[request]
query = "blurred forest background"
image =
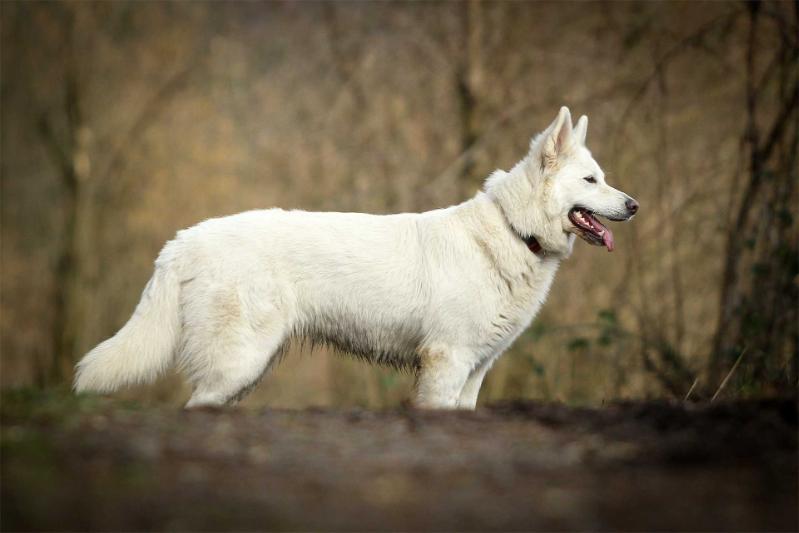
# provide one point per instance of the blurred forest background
(123, 122)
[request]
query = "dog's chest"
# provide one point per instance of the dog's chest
(518, 299)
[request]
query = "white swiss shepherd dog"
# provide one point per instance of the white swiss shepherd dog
(442, 293)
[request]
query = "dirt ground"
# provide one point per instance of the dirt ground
(96, 464)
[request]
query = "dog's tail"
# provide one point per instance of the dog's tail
(144, 347)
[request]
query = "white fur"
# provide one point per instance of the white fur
(443, 293)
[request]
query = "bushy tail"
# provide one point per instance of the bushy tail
(144, 347)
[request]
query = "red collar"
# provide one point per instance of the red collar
(533, 244)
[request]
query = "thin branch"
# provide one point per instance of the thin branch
(729, 374)
(780, 123)
(508, 117)
(688, 41)
(769, 70)
(149, 113)
(782, 25)
(57, 152)
(346, 67)
(688, 394)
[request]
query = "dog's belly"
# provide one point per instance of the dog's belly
(372, 336)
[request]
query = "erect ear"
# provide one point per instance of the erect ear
(557, 138)
(580, 130)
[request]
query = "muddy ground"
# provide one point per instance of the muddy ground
(97, 464)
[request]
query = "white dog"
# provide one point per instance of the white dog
(443, 293)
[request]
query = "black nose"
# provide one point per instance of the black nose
(631, 205)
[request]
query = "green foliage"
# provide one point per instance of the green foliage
(760, 269)
(608, 327)
(52, 404)
(784, 216)
(537, 330)
(538, 368)
(578, 343)
(608, 317)
(388, 380)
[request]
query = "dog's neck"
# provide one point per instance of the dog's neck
(515, 193)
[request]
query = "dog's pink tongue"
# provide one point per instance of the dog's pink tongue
(607, 238)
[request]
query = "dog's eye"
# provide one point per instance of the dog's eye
(590, 179)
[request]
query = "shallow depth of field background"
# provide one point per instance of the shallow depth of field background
(125, 122)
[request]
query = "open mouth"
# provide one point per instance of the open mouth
(590, 229)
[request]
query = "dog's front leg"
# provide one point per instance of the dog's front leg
(468, 396)
(441, 377)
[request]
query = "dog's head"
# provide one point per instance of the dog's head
(559, 190)
(577, 184)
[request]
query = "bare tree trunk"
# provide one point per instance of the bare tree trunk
(64, 328)
(465, 79)
(758, 308)
(70, 291)
(84, 189)
(69, 154)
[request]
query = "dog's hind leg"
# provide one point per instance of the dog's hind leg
(234, 373)
(228, 347)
